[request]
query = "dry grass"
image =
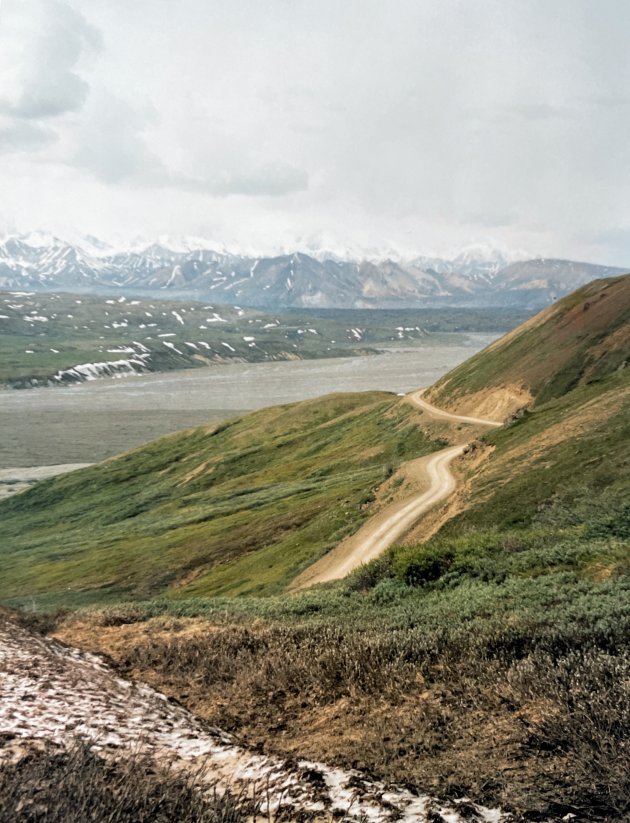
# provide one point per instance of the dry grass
(524, 723)
(77, 786)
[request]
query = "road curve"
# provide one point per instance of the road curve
(389, 525)
(384, 529)
(418, 400)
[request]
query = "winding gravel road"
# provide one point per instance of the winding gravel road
(390, 524)
(418, 400)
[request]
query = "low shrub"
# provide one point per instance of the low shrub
(77, 785)
(424, 564)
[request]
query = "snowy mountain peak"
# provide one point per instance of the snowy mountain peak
(477, 275)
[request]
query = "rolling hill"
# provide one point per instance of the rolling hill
(580, 339)
(490, 661)
(238, 507)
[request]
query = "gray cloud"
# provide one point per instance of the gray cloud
(42, 42)
(24, 136)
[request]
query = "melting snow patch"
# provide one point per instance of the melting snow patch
(227, 346)
(57, 694)
(108, 368)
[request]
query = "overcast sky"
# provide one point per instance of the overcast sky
(416, 125)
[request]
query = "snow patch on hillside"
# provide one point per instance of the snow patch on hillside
(50, 692)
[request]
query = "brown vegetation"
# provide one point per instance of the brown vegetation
(530, 726)
(77, 785)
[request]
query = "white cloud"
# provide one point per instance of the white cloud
(109, 142)
(416, 125)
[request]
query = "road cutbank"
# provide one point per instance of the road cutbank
(417, 399)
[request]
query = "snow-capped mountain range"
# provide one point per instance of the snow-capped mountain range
(475, 277)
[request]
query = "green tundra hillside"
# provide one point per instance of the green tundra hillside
(490, 661)
(578, 340)
(238, 507)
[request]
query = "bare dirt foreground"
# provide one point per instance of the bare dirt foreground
(53, 694)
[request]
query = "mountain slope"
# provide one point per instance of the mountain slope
(580, 339)
(235, 508)
(245, 506)
(492, 660)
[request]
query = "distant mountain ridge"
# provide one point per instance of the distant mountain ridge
(291, 280)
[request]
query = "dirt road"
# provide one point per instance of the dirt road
(390, 524)
(417, 399)
(382, 530)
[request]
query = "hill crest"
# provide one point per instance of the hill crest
(580, 339)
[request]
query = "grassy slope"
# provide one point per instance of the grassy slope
(575, 444)
(491, 662)
(238, 508)
(582, 337)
